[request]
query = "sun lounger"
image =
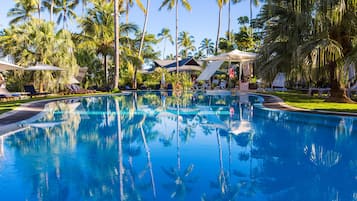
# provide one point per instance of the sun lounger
(31, 91)
(75, 89)
(319, 91)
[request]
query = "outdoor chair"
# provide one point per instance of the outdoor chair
(223, 84)
(31, 91)
(75, 89)
(319, 91)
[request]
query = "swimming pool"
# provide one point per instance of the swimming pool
(153, 146)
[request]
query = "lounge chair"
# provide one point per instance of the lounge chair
(31, 91)
(319, 91)
(75, 89)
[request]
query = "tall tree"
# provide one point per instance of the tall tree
(251, 4)
(305, 36)
(146, 11)
(116, 43)
(229, 17)
(186, 42)
(220, 6)
(129, 4)
(165, 36)
(65, 8)
(98, 31)
(22, 11)
(207, 45)
(50, 4)
(170, 5)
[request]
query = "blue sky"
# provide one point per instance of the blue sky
(201, 22)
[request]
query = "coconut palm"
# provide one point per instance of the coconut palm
(146, 11)
(129, 4)
(307, 37)
(207, 45)
(220, 6)
(22, 11)
(65, 8)
(165, 36)
(229, 16)
(186, 42)
(50, 4)
(116, 42)
(251, 4)
(98, 32)
(170, 5)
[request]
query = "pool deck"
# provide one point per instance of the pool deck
(9, 120)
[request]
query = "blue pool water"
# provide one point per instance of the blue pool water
(153, 146)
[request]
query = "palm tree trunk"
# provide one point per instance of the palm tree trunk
(229, 21)
(51, 10)
(127, 12)
(105, 71)
(338, 93)
(176, 39)
(142, 41)
(250, 12)
(219, 28)
(116, 56)
(163, 53)
(39, 9)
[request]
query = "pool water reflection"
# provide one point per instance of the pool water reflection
(152, 146)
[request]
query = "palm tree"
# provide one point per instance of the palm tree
(116, 43)
(220, 6)
(170, 5)
(165, 35)
(98, 30)
(186, 42)
(22, 11)
(37, 41)
(308, 37)
(146, 11)
(207, 45)
(50, 4)
(229, 17)
(130, 3)
(251, 4)
(66, 10)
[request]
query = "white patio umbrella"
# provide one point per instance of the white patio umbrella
(8, 66)
(43, 67)
(234, 56)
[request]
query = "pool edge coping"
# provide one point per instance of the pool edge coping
(276, 103)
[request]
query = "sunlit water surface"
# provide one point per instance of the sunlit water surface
(153, 146)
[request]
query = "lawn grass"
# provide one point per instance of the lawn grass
(305, 101)
(11, 105)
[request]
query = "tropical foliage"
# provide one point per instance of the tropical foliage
(312, 41)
